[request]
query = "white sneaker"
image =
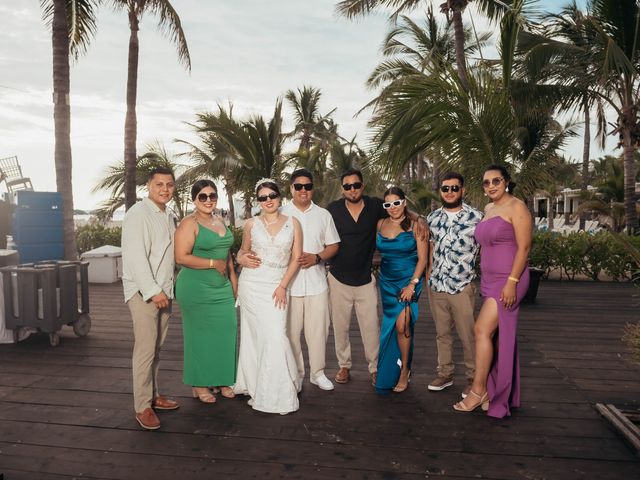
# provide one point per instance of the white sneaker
(322, 382)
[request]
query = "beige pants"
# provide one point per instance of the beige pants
(449, 310)
(365, 300)
(311, 314)
(150, 327)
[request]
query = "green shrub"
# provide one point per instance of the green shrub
(582, 253)
(237, 239)
(94, 235)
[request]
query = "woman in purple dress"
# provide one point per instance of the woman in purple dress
(504, 236)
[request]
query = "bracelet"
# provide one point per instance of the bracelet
(514, 279)
(211, 263)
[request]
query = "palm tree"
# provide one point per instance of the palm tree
(491, 121)
(616, 31)
(72, 25)
(156, 155)
(238, 152)
(169, 24)
(564, 54)
(492, 8)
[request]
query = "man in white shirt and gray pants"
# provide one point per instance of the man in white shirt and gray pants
(148, 272)
(309, 301)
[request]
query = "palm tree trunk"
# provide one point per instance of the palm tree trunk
(62, 123)
(232, 208)
(461, 63)
(586, 145)
(131, 123)
(630, 213)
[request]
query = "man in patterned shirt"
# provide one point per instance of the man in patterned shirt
(451, 291)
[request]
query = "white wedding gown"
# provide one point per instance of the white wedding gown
(267, 369)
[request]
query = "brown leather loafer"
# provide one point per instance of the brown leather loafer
(148, 419)
(164, 403)
(343, 375)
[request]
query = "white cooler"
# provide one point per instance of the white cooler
(105, 264)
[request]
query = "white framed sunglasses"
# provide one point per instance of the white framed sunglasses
(395, 203)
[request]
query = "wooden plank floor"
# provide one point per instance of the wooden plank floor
(66, 412)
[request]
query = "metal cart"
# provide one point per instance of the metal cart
(46, 296)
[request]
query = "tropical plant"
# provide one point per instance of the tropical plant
(113, 180)
(237, 152)
(616, 30)
(492, 8)
(73, 24)
(170, 25)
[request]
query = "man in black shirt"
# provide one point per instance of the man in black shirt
(351, 283)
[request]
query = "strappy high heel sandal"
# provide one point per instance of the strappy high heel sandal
(227, 392)
(481, 401)
(401, 388)
(204, 397)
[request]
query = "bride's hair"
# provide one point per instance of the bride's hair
(268, 184)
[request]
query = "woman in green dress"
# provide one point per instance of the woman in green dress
(206, 289)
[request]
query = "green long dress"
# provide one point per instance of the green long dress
(209, 322)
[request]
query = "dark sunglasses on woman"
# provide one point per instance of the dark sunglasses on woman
(395, 203)
(271, 196)
(203, 197)
(349, 186)
(299, 186)
(453, 188)
(494, 181)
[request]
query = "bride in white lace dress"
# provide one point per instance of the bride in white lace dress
(271, 245)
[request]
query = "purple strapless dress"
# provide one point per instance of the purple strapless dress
(498, 248)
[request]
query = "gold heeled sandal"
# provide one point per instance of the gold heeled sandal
(482, 401)
(204, 397)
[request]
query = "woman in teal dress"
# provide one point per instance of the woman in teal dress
(404, 258)
(206, 288)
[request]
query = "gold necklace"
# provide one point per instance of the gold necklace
(397, 221)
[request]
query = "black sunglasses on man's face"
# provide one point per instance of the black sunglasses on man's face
(349, 186)
(299, 186)
(453, 188)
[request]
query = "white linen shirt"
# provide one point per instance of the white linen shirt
(147, 250)
(318, 231)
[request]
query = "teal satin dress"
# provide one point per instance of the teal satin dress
(399, 259)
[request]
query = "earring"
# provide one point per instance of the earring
(486, 195)
(507, 189)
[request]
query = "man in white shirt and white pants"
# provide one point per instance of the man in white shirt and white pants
(309, 290)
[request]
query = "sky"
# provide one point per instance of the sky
(248, 52)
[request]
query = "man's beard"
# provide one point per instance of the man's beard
(455, 204)
(350, 200)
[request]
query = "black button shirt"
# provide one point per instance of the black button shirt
(352, 264)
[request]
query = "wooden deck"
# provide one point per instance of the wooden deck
(66, 412)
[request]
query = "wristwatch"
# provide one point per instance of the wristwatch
(318, 258)
(415, 281)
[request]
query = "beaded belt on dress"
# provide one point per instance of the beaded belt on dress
(274, 264)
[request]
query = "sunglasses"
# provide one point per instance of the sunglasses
(395, 203)
(494, 181)
(271, 196)
(453, 188)
(349, 186)
(299, 186)
(211, 197)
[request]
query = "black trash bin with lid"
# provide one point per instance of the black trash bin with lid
(47, 296)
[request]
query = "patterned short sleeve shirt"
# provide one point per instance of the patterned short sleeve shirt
(455, 248)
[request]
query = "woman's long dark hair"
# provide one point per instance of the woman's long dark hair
(405, 225)
(199, 185)
(511, 185)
